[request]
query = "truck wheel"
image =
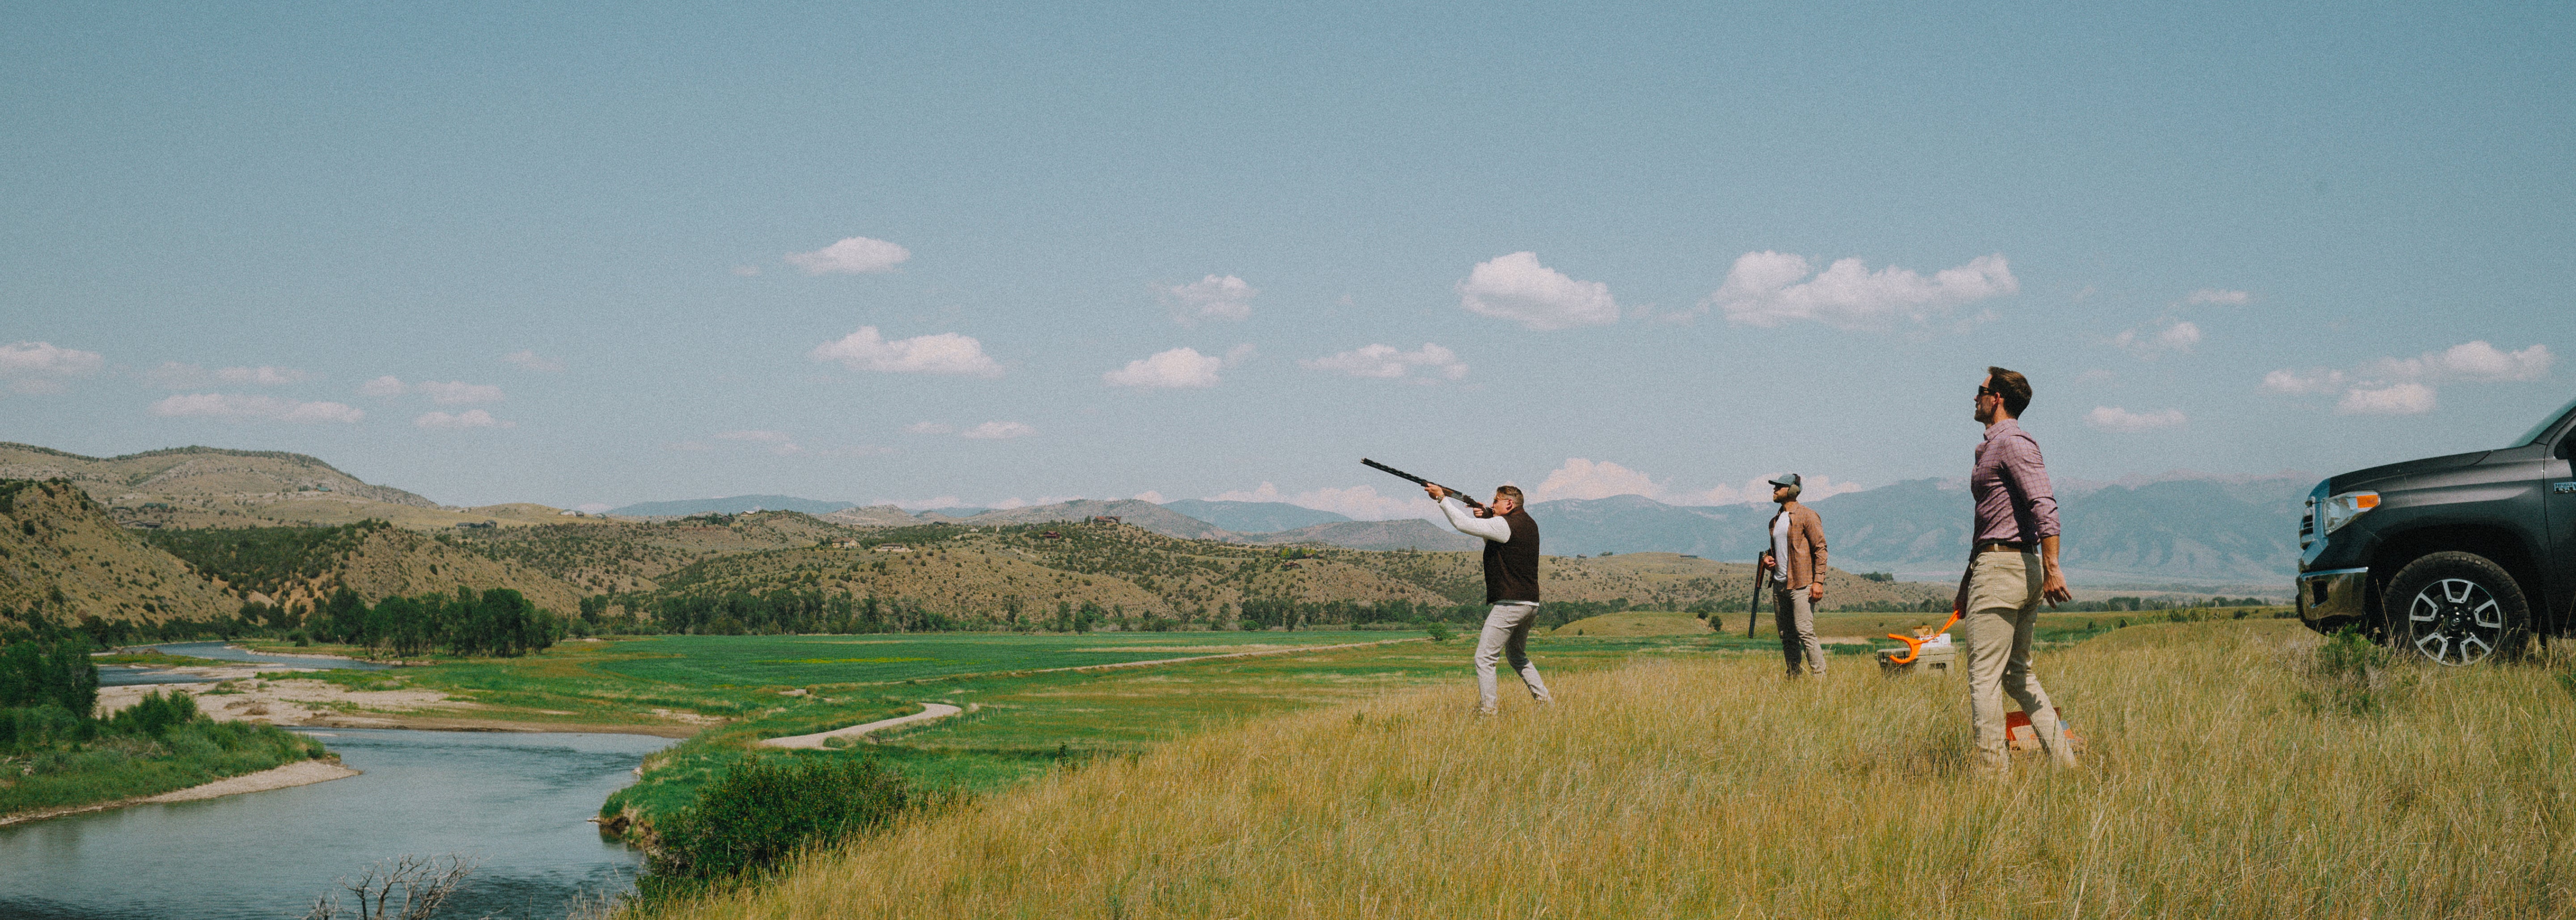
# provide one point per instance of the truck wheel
(2455, 609)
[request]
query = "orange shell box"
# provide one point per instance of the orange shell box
(2019, 736)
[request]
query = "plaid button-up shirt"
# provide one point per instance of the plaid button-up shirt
(2010, 486)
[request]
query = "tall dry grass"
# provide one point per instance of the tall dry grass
(2224, 781)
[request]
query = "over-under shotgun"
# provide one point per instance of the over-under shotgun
(1417, 480)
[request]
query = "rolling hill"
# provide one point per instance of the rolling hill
(289, 566)
(998, 573)
(62, 554)
(1134, 512)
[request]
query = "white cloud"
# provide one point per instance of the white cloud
(778, 441)
(1266, 493)
(1581, 478)
(457, 393)
(944, 353)
(1210, 298)
(1516, 287)
(2220, 296)
(2473, 361)
(1386, 363)
(470, 418)
(47, 358)
(230, 407)
(854, 256)
(387, 385)
(1150, 495)
(2403, 386)
(532, 361)
(929, 428)
(2176, 336)
(997, 431)
(1772, 288)
(2393, 399)
(1177, 368)
(2114, 418)
(39, 367)
(2318, 380)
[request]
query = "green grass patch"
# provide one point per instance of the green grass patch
(117, 766)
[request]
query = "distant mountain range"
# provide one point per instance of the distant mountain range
(2176, 529)
(739, 504)
(1254, 517)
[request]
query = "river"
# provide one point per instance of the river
(516, 802)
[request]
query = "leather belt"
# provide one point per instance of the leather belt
(2002, 546)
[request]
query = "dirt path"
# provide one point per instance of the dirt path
(928, 712)
(299, 773)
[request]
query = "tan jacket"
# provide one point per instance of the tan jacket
(1806, 544)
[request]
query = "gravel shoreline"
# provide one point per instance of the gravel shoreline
(299, 773)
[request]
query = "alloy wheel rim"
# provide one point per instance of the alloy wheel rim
(2455, 621)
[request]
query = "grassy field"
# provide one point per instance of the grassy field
(2235, 770)
(1025, 724)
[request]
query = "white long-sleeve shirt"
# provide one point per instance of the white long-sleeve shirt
(1780, 548)
(1492, 529)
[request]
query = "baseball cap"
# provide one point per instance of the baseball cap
(1785, 479)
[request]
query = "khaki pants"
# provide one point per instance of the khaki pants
(1507, 635)
(1796, 615)
(2003, 606)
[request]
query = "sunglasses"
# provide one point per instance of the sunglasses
(1984, 391)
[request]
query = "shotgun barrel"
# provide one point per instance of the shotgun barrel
(1417, 480)
(1753, 605)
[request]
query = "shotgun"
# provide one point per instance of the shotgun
(1417, 480)
(1753, 606)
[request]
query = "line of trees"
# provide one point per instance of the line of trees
(497, 621)
(779, 611)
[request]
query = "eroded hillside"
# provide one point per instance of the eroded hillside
(611, 556)
(998, 574)
(303, 565)
(61, 553)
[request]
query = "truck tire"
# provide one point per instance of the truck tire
(2456, 608)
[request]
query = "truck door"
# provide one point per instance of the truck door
(2558, 479)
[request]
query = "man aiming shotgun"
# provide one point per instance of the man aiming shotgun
(1511, 581)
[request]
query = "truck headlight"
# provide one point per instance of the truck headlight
(2341, 509)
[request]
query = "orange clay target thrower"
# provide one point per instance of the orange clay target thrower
(1914, 644)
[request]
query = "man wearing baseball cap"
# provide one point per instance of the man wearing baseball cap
(1797, 564)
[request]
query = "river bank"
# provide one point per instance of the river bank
(300, 773)
(514, 802)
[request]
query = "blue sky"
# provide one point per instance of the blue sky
(603, 254)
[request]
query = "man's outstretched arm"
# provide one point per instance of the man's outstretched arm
(1492, 529)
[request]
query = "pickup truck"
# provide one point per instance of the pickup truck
(2459, 559)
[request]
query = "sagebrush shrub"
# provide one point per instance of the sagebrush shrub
(764, 808)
